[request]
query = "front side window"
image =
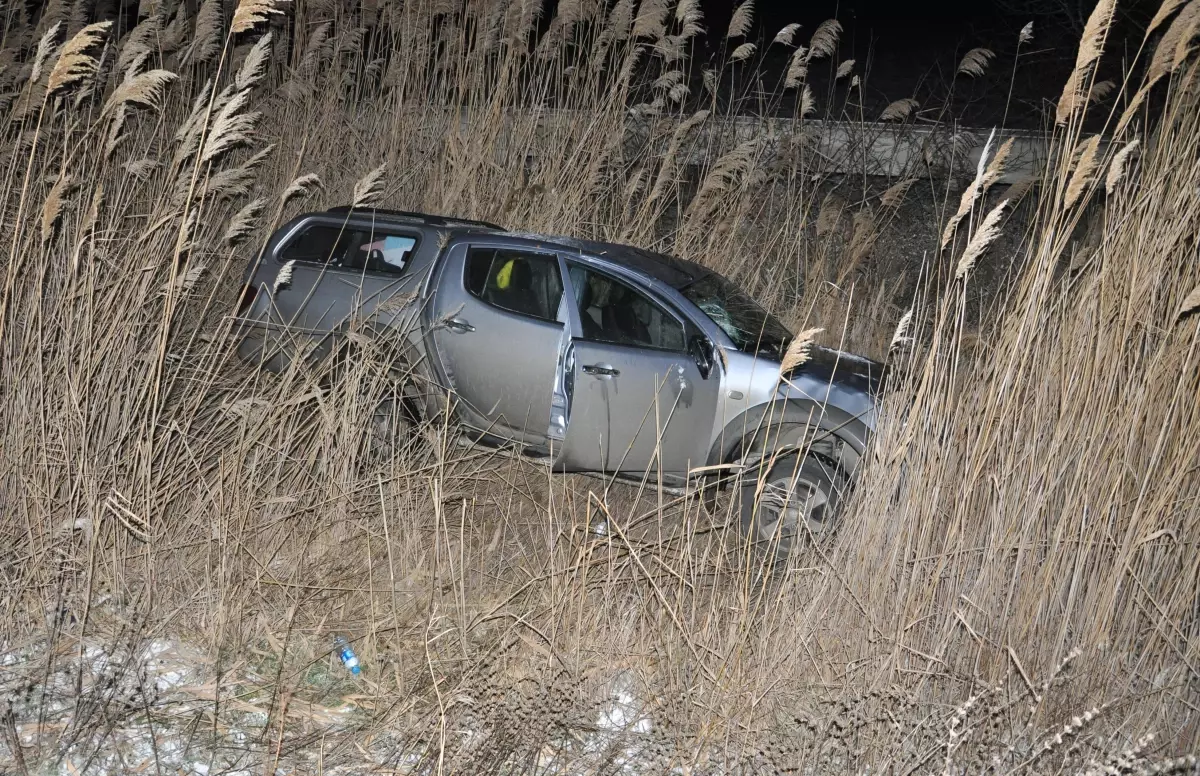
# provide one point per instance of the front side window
(614, 312)
(318, 244)
(517, 281)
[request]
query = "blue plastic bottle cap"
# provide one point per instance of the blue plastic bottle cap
(355, 670)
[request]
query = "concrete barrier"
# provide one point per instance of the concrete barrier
(872, 149)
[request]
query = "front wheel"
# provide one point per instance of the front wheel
(796, 497)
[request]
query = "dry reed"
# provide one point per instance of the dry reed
(1012, 587)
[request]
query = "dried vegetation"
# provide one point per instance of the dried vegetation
(1013, 590)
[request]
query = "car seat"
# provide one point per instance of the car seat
(585, 294)
(515, 289)
(621, 321)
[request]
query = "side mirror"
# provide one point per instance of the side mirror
(702, 351)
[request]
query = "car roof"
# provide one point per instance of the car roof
(410, 217)
(672, 271)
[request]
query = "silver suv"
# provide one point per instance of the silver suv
(593, 357)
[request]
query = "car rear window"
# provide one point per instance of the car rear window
(317, 244)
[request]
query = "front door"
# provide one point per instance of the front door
(498, 336)
(637, 401)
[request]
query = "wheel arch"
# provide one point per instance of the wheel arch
(784, 425)
(403, 353)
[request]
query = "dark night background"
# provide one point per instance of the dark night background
(901, 49)
(912, 49)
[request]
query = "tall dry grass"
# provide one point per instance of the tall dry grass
(1013, 589)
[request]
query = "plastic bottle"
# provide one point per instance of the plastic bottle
(346, 654)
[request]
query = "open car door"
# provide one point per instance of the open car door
(639, 400)
(498, 330)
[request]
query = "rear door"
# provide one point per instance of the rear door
(286, 284)
(637, 400)
(498, 328)
(375, 269)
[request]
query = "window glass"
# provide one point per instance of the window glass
(752, 329)
(383, 252)
(612, 311)
(318, 244)
(520, 282)
(479, 265)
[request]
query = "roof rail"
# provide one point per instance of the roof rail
(427, 218)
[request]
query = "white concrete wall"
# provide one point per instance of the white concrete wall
(873, 149)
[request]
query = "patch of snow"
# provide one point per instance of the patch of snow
(169, 680)
(622, 719)
(623, 713)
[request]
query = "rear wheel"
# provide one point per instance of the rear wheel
(795, 498)
(388, 389)
(392, 426)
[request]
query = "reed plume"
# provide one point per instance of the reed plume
(786, 34)
(974, 63)
(987, 233)
(1091, 46)
(899, 110)
(824, 40)
(743, 17)
(252, 12)
(1081, 177)
(799, 350)
(75, 65)
(1119, 165)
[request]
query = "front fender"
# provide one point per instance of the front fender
(791, 424)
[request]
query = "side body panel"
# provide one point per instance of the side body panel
(635, 410)
(833, 396)
(319, 303)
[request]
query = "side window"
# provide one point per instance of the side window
(517, 281)
(318, 244)
(612, 311)
(379, 252)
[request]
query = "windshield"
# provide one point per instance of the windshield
(752, 329)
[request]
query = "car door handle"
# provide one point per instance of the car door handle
(458, 324)
(601, 370)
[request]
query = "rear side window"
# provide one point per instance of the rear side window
(317, 244)
(352, 247)
(518, 281)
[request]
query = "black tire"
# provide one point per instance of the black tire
(395, 413)
(807, 491)
(392, 426)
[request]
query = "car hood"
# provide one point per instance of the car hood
(846, 380)
(848, 370)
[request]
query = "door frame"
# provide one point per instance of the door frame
(690, 327)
